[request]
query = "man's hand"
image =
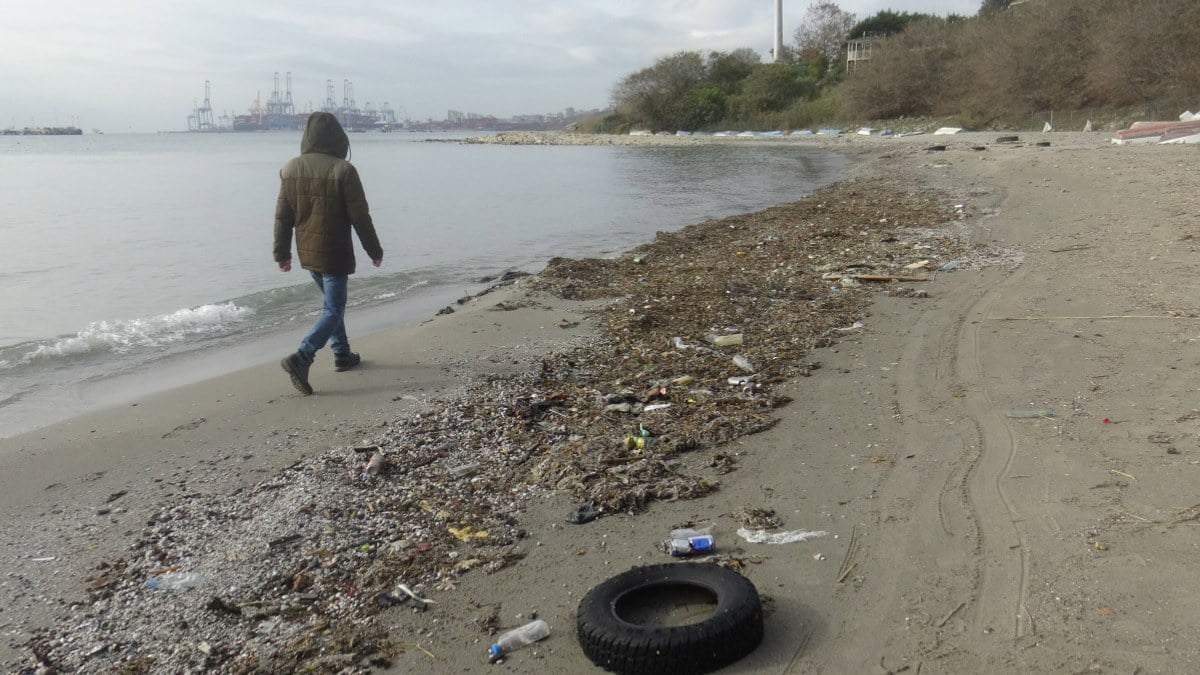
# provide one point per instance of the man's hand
(285, 265)
(377, 262)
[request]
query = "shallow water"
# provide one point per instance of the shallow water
(119, 250)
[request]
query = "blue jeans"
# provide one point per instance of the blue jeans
(330, 326)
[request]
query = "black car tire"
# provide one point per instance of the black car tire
(733, 630)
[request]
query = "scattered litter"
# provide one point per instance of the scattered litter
(726, 340)
(517, 638)
(539, 426)
(375, 464)
(741, 380)
(744, 363)
(949, 266)
(764, 537)
(686, 541)
(467, 532)
(854, 326)
(655, 406)
(403, 595)
(46, 559)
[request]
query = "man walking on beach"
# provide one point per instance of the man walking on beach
(321, 198)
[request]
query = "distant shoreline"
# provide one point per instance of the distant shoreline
(43, 131)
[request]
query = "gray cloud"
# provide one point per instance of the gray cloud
(139, 65)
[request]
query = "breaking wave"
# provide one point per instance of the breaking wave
(128, 335)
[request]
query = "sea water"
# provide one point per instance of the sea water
(122, 251)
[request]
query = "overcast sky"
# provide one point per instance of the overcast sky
(140, 65)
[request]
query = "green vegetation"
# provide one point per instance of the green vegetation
(998, 69)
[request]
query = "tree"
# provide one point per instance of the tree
(727, 70)
(650, 95)
(700, 108)
(993, 6)
(885, 23)
(773, 87)
(825, 29)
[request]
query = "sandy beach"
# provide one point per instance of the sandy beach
(998, 454)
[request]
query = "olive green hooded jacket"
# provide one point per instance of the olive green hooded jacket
(321, 198)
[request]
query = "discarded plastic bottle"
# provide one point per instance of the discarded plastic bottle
(743, 363)
(517, 638)
(175, 581)
(686, 541)
(727, 340)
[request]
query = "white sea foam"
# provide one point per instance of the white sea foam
(132, 334)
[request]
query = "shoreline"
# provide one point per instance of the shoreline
(62, 403)
(218, 443)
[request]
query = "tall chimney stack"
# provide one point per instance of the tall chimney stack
(778, 52)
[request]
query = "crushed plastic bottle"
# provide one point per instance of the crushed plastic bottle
(517, 638)
(175, 581)
(686, 541)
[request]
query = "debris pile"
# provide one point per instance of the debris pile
(700, 327)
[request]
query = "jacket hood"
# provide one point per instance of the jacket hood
(324, 134)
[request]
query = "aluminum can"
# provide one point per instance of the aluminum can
(698, 545)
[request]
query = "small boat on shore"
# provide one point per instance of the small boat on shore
(1158, 131)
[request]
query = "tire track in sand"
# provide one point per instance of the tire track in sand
(1003, 546)
(937, 543)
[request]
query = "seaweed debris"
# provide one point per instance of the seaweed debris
(698, 329)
